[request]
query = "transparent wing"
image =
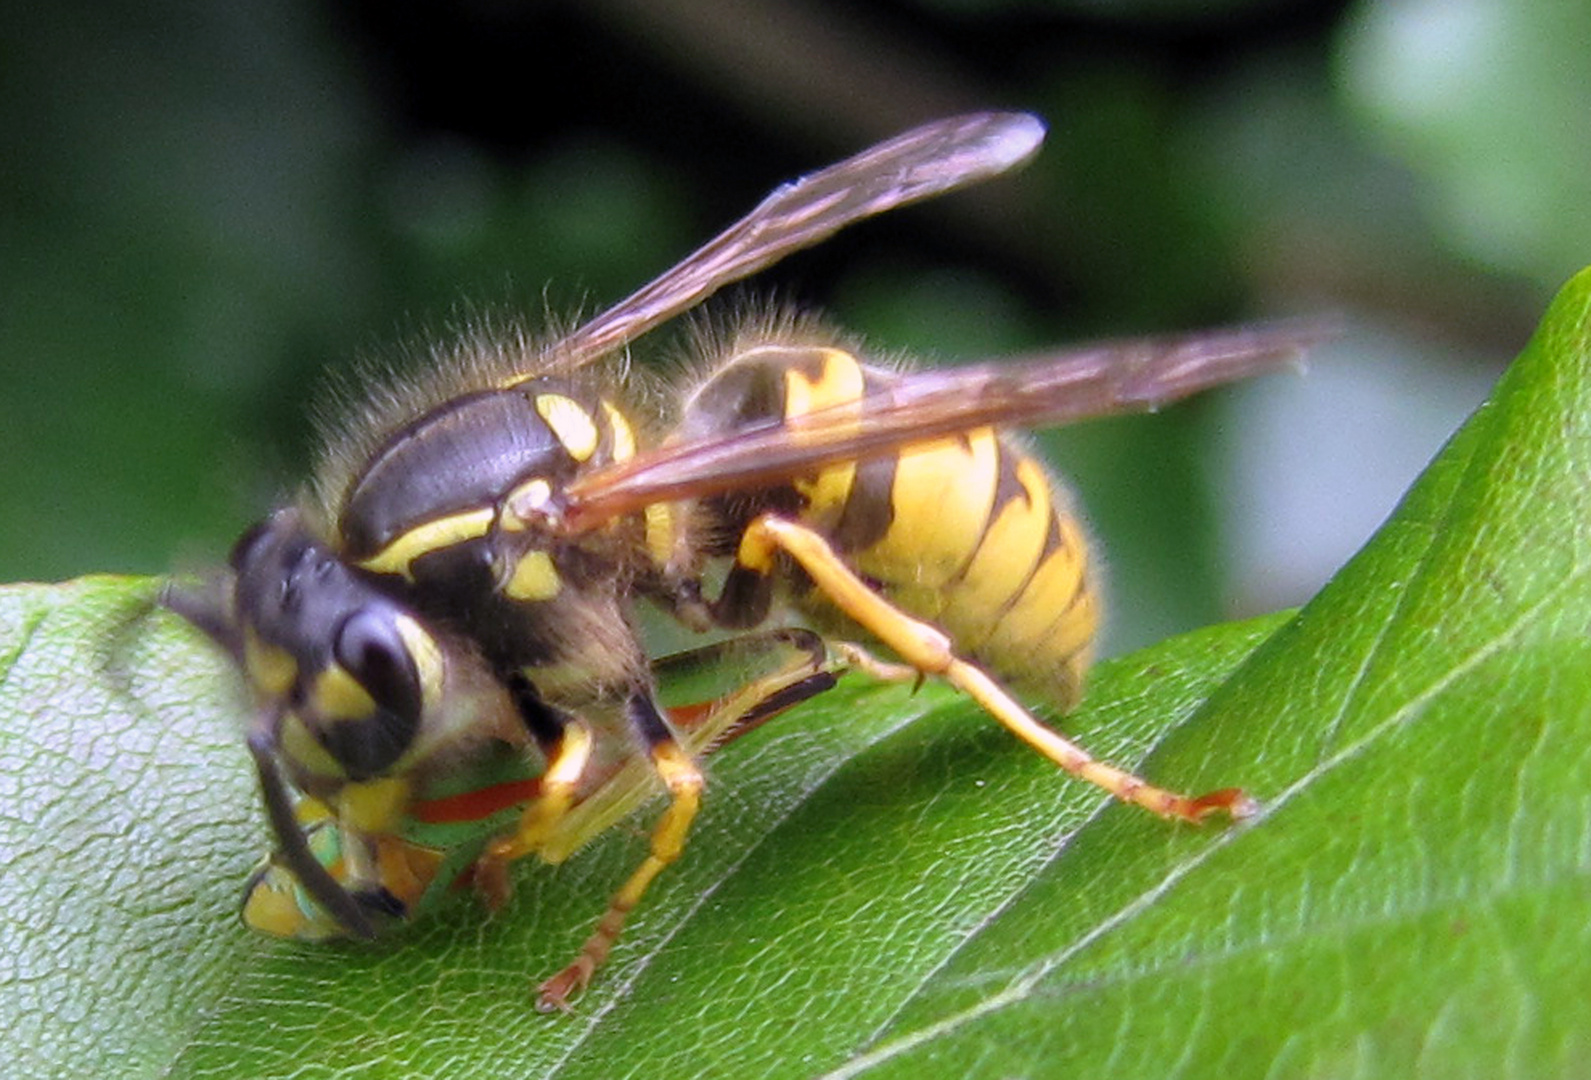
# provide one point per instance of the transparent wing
(924, 162)
(1129, 376)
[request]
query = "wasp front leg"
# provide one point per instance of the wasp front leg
(683, 779)
(566, 743)
(931, 651)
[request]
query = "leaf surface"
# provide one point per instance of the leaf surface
(887, 885)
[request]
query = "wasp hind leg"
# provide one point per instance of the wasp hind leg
(858, 657)
(928, 650)
(683, 779)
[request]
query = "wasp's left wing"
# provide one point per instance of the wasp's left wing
(1131, 376)
(926, 161)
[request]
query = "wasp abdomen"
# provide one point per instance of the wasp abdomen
(968, 532)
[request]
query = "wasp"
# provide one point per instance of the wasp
(465, 572)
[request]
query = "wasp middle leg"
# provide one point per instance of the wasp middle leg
(806, 671)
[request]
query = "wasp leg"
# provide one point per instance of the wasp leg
(566, 742)
(704, 726)
(930, 650)
(683, 779)
(807, 674)
(858, 657)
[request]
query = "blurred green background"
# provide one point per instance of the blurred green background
(204, 207)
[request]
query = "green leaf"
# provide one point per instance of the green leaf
(887, 885)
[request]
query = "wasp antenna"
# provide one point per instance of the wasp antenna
(205, 607)
(315, 878)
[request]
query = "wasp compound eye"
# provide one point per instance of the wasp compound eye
(367, 741)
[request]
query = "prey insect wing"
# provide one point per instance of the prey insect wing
(920, 164)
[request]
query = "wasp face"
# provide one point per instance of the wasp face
(336, 661)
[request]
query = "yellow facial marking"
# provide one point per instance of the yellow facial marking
(427, 657)
(337, 695)
(623, 433)
(432, 536)
(271, 668)
(305, 752)
(534, 578)
(572, 424)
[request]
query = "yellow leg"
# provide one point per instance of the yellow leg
(684, 782)
(859, 658)
(929, 650)
(701, 729)
(541, 818)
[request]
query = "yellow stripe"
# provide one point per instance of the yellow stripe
(623, 433)
(572, 424)
(535, 578)
(661, 535)
(1004, 561)
(1048, 594)
(942, 496)
(432, 536)
(838, 384)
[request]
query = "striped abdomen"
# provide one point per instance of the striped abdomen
(968, 532)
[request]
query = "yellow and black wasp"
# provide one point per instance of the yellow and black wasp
(465, 571)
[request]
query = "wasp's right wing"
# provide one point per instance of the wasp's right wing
(1116, 377)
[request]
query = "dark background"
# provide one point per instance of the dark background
(204, 206)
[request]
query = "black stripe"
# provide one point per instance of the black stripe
(1007, 489)
(869, 508)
